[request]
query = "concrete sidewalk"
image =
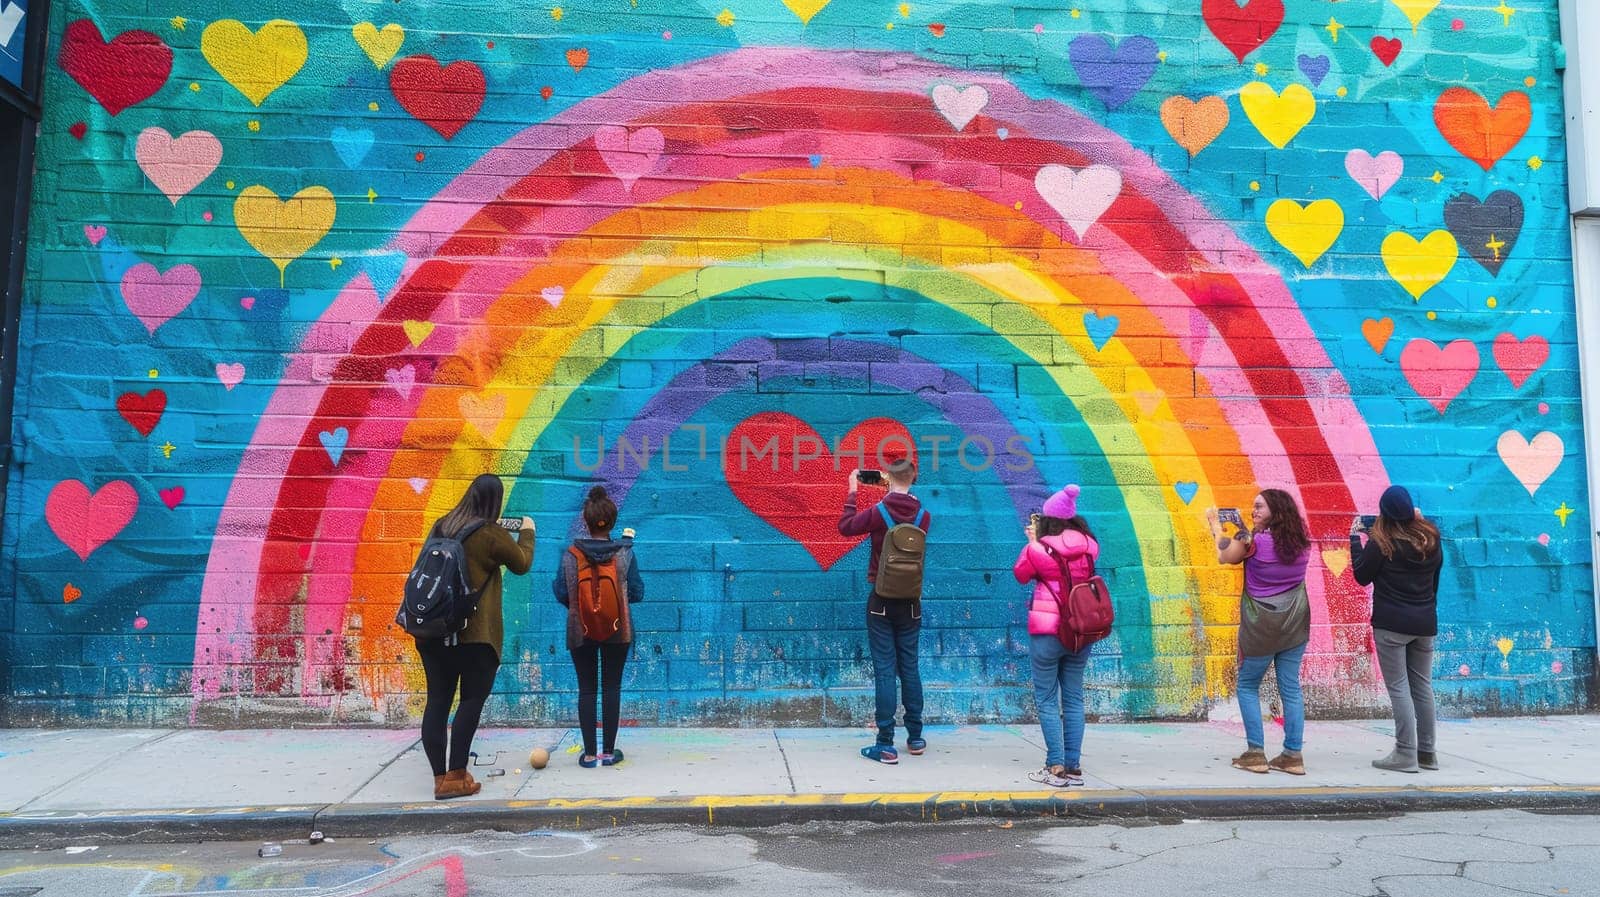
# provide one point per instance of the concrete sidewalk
(85, 786)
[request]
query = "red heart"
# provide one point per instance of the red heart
(84, 522)
(1483, 135)
(937, 28)
(1519, 359)
(70, 593)
(803, 496)
(128, 70)
(78, 129)
(444, 99)
(1243, 28)
(1439, 375)
(546, 92)
(143, 412)
(1386, 49)
(172, 497)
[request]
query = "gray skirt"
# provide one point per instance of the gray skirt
(1264, 631)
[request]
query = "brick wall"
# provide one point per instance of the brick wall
(292, 284)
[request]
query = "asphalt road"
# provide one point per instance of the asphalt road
(1433, 855)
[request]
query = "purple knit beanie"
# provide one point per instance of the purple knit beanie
(1063, 504)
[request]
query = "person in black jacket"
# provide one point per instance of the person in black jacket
(1401, 561)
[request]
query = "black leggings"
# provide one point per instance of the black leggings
(610, 658)
(473, 666)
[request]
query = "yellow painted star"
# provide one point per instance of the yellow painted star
(725, 18)
(1437, 177)
(371, 194)
(1564, 512)
(1077, 13)
(1505, 12)
(253, 125)
(335, 262)
(178, 22)
(166, 449)
(153, 373)
(1162, 55)
(556, 13)
(1261, 69)
(888, 26)
(1535, 163)
(1333, 28)
(905, 10)
(1342, 92)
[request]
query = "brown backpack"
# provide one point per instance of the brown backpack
(901, 560)
(599, 596)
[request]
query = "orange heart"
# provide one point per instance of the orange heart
(1482, 134)
(1377, 332)
(70, 593)
(577, 58)
(1194, 124)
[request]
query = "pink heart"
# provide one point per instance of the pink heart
(248, 302)
(172, 497)
(154, 297)
(1375, 175)
(959, 105)
(401, 380)
(629, 155)
(553, 295)
(1079, 197)
(83, 522)
(418, 484)
(1531, 462)
(231, 375)
(95, 233)
(1519, 359)
(1439, 375)
(177, 165)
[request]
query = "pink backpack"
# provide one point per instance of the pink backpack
(1086, 611)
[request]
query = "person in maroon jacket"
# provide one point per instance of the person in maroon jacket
(892, 625)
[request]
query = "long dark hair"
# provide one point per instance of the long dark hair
(1055, 526)
(599, 511)
(1418, 533)
(1286, 525)
(481, 503)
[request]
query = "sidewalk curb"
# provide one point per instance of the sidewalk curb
(762, 810)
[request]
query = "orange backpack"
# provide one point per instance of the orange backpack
(599, 596)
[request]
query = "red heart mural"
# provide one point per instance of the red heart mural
(128, 70)
(142, 412)
(1478, 132)
(803, 496)
(1243, 29)
(443, 98)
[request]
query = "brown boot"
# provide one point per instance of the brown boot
(472, 784)
(455, 784)
(438, 787)
(1252, 760)
(1294, 764)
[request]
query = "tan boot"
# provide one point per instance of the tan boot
(1252, 760)
(1294, 764)
(438, 787)
(455, 785)
(473, 787)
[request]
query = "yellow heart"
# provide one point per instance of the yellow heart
(1505, 645)
(1416, 10)
(380, 46)
(1337, 560)
(1419, 266)
(805, 9)
(417, 331)
(1306, 231)
(1278, 116)
(256, 63)
(282, 230)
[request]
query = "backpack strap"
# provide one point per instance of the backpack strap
(888, 521)
(921, 520)
(1061, 562)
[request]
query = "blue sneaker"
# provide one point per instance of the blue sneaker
(881, 753)
(915, 746)
(611, 759)
(588, 761)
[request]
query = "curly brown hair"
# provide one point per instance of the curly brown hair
(1286, 525)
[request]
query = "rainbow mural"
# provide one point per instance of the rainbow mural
(793, 240)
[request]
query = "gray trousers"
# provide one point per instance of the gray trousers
(1407, 664)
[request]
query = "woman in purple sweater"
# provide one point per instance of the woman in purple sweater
(1274, 623)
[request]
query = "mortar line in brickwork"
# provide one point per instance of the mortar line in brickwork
(381, 768)
(785, 755)
(96, 769)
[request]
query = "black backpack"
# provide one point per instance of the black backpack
(438, 599)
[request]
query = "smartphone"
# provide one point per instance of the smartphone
(1230, 517)
(870, 477)
(1367, 520)
(513, 524)
(627, 532)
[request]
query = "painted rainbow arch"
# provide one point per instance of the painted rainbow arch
(776, 165)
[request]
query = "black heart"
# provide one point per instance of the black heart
(1487, 229)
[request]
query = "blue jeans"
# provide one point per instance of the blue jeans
(892, 638)
(1058, 697)
(1251, 672)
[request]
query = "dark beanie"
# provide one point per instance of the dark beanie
(1396, 504)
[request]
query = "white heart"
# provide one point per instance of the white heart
(553, 295)
(959, 105)
(1079, 197)
(418, 484)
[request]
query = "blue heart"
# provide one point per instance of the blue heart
(1186, 490)
(1315, 68)
(1002, 133)
(1101, 330)
(383, 269)
(816, 161)
(351, 145)
(334, 443)
(1113, 75)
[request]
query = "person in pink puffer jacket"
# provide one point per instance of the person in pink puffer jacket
(1057, 672)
